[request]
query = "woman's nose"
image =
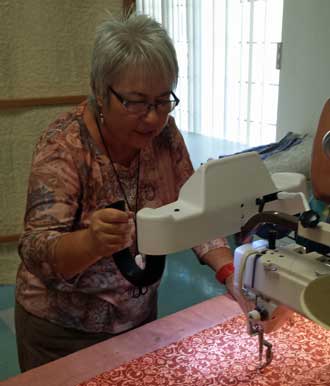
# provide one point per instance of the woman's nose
(152, 116)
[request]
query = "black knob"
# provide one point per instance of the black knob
(309, 219)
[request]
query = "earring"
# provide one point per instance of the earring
(101, 115)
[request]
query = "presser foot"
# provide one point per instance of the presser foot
(264, 347)
(268, 354)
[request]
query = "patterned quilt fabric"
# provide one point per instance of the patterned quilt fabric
(225, 355)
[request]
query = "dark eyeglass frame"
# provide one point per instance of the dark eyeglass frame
(126, 103)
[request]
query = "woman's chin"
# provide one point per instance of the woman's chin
(142, 139)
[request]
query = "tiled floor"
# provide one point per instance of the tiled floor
(186, 282)
(8, 355)
(202, 148)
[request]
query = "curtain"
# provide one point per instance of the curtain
(228, 81)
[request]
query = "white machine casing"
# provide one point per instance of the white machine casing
(217, 201)
(288, 276)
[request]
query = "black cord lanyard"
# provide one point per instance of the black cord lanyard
(141, 278)
(117, 176)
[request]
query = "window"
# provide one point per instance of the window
(228, 81)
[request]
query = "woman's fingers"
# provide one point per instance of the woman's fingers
(114, 228)
(111, 230)
(110, 215)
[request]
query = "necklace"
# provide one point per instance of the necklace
(140, 259)
(122, 190)
(142, 270)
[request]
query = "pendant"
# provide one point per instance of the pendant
(140, 261)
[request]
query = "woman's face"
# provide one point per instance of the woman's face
(130, 130)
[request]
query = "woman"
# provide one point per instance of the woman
(120, 146)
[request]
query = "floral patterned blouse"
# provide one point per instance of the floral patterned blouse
(71, 178)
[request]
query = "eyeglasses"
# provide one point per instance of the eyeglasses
(142, 107)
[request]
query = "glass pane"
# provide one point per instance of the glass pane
(255, 129)
(270, 107)
(259, 10)
(256, 107)
(228, 78)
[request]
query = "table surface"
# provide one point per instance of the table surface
(87, 363)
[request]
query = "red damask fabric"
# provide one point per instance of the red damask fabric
(226, 355)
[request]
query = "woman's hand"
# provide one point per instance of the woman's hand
(110, 231)
(281, 315)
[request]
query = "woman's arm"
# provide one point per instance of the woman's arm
(50, 247)
(110, 231)
(218, 258)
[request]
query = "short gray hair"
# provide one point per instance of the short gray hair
(136, 43)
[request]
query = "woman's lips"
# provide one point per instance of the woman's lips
(145, 132)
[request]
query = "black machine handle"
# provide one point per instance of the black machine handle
(126, 264)
(270, 225)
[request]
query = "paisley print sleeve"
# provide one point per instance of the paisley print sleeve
(52, 204)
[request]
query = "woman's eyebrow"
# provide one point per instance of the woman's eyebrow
(140, 94)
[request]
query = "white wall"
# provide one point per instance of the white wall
(305, 73)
